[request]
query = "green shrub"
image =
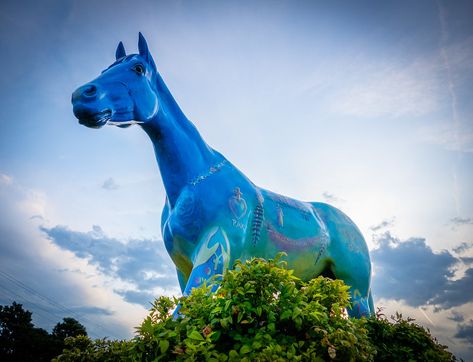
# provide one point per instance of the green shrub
(402, 340)
(261, 312)
(82, 348)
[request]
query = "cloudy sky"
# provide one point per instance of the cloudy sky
(362, 104)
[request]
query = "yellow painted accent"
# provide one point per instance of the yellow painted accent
(183, 263)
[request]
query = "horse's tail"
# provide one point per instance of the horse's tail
(370, 303)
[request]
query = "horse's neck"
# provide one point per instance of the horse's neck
(181, 152)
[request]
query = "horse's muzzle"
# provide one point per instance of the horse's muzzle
(91, 119)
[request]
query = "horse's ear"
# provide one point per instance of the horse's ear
(120, 52)
(144, 51)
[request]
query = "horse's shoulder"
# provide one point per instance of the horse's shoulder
(185, 216)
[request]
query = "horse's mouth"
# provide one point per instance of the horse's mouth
(95, 120)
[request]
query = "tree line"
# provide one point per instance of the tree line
(21, 341)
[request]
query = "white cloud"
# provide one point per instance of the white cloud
(329, 197)
(411, 271)
(5, 179)
(383, 224)
(390, 90)
(140, 266)
(448, 136)
(429, 286)
(110, 184)
(50, 282)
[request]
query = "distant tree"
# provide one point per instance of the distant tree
(20, 340)
(69, 327)
(15, 329)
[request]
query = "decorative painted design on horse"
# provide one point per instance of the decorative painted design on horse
(213, 214)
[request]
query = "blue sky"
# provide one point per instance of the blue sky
(363, 104)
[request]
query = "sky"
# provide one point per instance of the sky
(363, 104)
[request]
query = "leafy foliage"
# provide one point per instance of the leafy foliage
(69, 327)
(404, 341)
(82, 348)
(261, 312)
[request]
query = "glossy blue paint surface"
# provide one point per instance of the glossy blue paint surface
(213, 214)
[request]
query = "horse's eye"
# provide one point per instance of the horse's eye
(138, 68)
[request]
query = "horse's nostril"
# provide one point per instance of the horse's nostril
(89, 90)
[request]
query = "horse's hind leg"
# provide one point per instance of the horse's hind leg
(360, 294)
(353, 266)
(360, 306)
(349, 257)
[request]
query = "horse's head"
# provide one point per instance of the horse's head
(125, 93)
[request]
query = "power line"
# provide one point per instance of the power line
(48, 312)
(50, 301)
(20, 298)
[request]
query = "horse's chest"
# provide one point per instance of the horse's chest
(186, 218)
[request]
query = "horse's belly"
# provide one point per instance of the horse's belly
(290, 226)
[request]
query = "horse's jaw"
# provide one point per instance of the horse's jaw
(123, 124)
(122, 119)
(94, 120)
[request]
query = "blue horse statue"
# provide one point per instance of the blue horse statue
(213, 214)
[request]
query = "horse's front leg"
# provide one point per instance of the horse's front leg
(212, 258)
